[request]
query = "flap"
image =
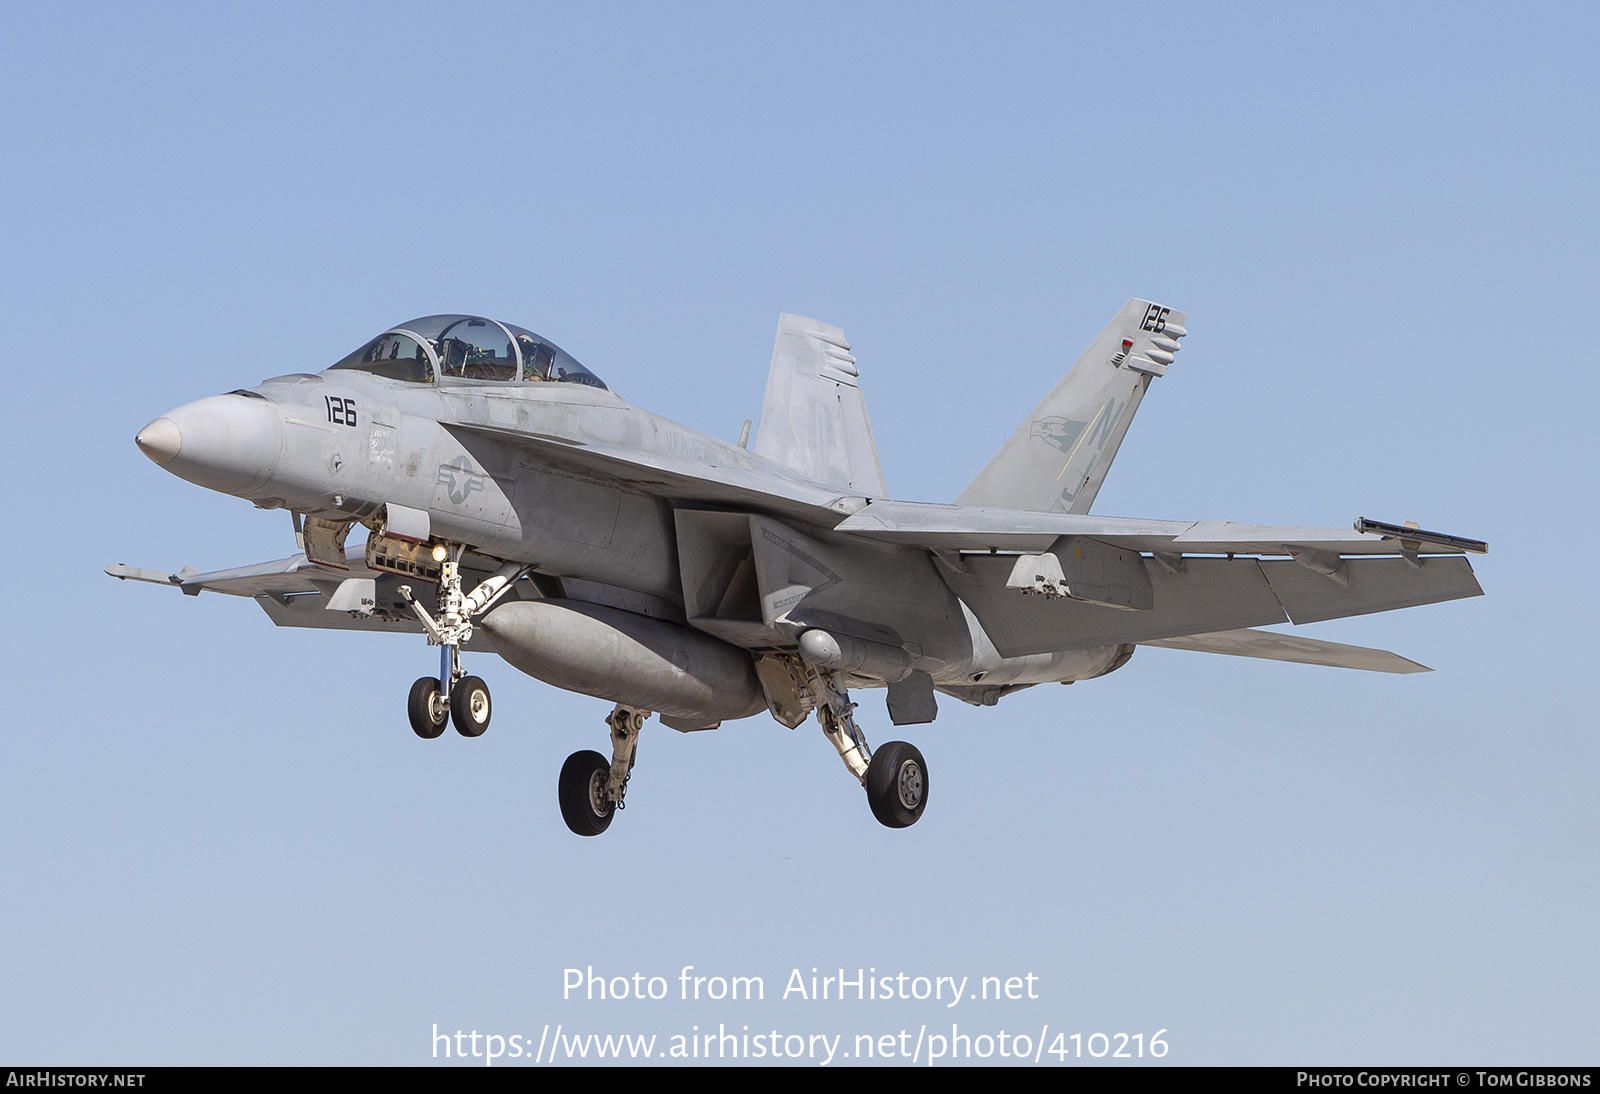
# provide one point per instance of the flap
(1207, 595)
(1216, 594)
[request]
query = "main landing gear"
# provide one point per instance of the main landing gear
(591, 790)
(453, 695)
(895, 777)
(897, 784)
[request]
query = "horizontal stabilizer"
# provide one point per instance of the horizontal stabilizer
(1288, 647)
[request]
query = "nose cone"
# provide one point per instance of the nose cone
(160, 440)
(229, 443)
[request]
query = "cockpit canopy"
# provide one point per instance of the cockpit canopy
(466, 347)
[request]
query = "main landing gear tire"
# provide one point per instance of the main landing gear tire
(897, 784)
(428, 716)
(469, 706)
(582, 792)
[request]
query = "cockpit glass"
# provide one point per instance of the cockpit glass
(467, 347)
(429, 326)
(542, 359)
(394, 355)
(476, 349)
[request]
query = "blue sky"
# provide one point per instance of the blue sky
(225, 845)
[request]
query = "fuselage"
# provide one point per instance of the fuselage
(511, 496)
(572, 479)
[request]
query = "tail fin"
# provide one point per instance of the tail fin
(814, 418)
(1059, 455)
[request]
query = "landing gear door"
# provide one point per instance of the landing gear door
(325, 542)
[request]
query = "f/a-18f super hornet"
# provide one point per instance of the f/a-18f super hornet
(514, 502)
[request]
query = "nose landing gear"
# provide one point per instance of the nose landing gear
(453, 695)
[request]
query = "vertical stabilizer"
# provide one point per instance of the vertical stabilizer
(1059, 455)
(814, 417)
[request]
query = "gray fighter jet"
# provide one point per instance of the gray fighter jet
(514, 502)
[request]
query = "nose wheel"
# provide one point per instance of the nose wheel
(469, 706)
(430, 708)
(426, 709)
(453, 695)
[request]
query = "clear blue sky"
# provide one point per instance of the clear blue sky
(223, 843)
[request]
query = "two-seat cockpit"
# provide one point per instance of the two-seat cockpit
(467, 347)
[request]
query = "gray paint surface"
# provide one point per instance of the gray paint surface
(225, 845)
(578, 485)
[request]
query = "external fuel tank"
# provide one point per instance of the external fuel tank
(625, 657)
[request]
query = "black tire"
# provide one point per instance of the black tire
(428, 718)
(897, 784)
(582, 776)
(469, 706)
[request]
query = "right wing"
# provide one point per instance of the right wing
(283, 577)
(297, 593)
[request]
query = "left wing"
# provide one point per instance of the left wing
(1107, 580)
(973, 528)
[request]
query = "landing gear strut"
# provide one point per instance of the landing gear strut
(590, 790)
(839, 724)
(454, 695)
(895, 777)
